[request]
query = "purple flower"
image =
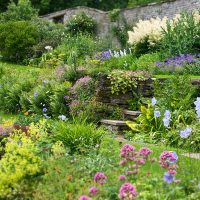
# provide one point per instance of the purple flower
(156, 113)
(186, 133)
(100, 178)
(93, 190)
(168, 177)
(153, 101)
(166, 119)
(44, 110)
(174, 158)
(199, 185)
(126, 150)
(197, 106)
(127, 190)
(105, 55)
(35, 94)
(66, 97)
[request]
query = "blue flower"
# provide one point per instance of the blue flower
(168, 177)
(156, 113)
(197, 106)
(166, 119)
(199, 185)
(185, 133)
(153, 101)
(44, 110)
(35, 94)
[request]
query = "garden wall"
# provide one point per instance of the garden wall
(131, 15)
(145, 89)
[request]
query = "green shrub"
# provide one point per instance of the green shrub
(81, 23)
(145, 62)
(78, 136)
(17, 38)
(22, 165)
(176, 93)
(20, 11)
(13, 85)
(181, 36)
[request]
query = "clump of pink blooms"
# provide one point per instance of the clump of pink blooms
(127, 192)
(167, 161)
(122, 177)
(133, 158)
(93, 190)
(100, 178)
(84, 197)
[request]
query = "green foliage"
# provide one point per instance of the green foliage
(192, 143)
(57, 101)
(21, 164)
(19, 12)
(17, 38)
(144, 47)
(124, 81)
(114, 15)
(146, 122)
(181, 36)
(12, 87)
(94, 111)
(176, 93)
(81, 23)
(78, 136)
(145, 62)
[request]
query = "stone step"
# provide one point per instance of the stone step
(132, 115)
(115, 125)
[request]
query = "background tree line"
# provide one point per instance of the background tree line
(48, 6)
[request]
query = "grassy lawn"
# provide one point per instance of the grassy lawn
(170, 76)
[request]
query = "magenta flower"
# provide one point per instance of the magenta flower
(122, 177)
(144, 151)
(123, 162)
(93, 190)
(139, 161)
(83, 197)
(127, 191)
(127, 150)
(100, 178)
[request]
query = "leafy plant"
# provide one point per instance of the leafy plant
(78, 136)
(81, 23)
(124, 81)
(181, 35)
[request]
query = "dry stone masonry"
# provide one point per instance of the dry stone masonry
(131, 15)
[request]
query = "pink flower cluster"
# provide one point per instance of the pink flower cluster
(100, 178)
(127, 192)
(138, 158)
(167, 161)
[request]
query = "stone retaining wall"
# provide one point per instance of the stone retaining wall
(131, 15)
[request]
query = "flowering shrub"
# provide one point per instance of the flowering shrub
(150, 29)
(188, 63)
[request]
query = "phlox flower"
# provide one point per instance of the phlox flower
(84, 197)
(93, 190)
(127, 191)
(100, 178)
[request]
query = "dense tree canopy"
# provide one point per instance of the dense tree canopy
(47, 6)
